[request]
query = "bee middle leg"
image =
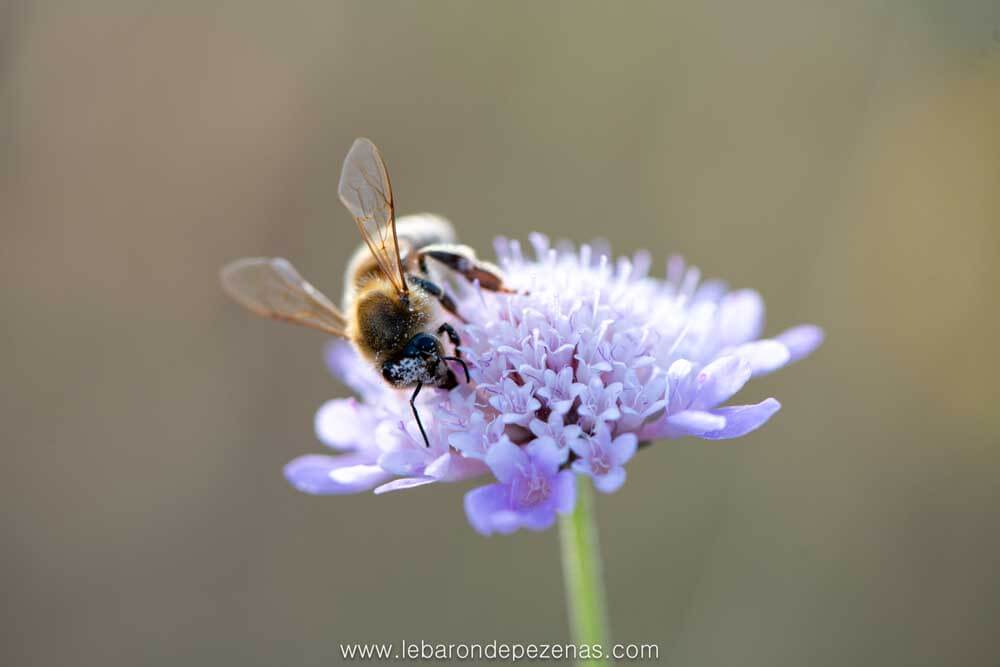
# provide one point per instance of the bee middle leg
(463, 261)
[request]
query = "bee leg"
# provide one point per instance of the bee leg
(435, 291)
(465, 367)
(464, 262)
(450, 381)
(413, 406)
(453, 337)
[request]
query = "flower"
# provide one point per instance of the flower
(570, 374)
(604, 459)
(530, 491)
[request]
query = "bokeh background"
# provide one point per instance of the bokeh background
(842, 158)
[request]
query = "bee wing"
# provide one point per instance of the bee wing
(271, 287)
(366, 192)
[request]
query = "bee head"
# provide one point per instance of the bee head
(420, 361)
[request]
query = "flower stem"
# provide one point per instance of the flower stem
(581, 560)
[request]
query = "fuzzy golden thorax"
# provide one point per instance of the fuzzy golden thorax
(385, 321)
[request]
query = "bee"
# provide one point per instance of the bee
(392, 311)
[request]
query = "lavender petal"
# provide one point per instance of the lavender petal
(742, 419)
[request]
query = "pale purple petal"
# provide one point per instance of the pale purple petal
(537, 518)
(404, 483)
(439, 467)
(741, 317)
(361, 476)
(506, 460)
(344, 424)
(486, 507)
(719, 380)
(564, 492)
(681, 380)
(312, 474)
(466, 442)
(689, 422)
(404, 460)
(802, 340)
(451, 467)
(610, 482)
(546, 455)
(624, 448)
(697, 422)
(506, 522)
(742, 419)
(580, 446)
(764, 356)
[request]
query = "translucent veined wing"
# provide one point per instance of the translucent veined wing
(271, 287)
(367, 194)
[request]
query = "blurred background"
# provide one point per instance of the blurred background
(842, 158)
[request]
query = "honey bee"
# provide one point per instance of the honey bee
(391, 309)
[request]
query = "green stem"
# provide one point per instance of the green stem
(581, 560)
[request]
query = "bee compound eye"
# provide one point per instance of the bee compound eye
(424, 344)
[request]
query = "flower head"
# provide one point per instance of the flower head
(587, 360)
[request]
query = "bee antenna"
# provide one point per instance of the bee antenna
(465, 368)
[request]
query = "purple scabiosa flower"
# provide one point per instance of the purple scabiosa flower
(590, 358)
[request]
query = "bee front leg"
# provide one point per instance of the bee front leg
(435, 291)
(453, 337)
(449, 331)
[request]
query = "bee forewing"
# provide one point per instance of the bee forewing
(271, 287)
(367, 193)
